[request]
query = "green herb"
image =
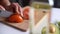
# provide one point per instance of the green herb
(59, 23)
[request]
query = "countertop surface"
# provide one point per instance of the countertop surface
(4, 29)
(55, 15)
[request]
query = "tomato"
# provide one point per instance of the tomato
(25, 13)
(15, 18)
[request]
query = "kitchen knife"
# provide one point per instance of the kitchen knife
(5, 13)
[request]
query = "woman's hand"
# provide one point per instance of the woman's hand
(16, 8)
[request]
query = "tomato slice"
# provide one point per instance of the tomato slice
(25, 13)
(15, 18)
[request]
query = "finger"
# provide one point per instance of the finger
(15, 7)
(2, 8)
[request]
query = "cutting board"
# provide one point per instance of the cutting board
(20, 26)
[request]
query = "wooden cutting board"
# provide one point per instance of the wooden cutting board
(20, 26)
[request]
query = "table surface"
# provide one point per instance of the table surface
(55, 15)
(4, 29)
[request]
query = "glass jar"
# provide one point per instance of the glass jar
(42, 11)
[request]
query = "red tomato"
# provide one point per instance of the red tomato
(15, 18)
(25, 13)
